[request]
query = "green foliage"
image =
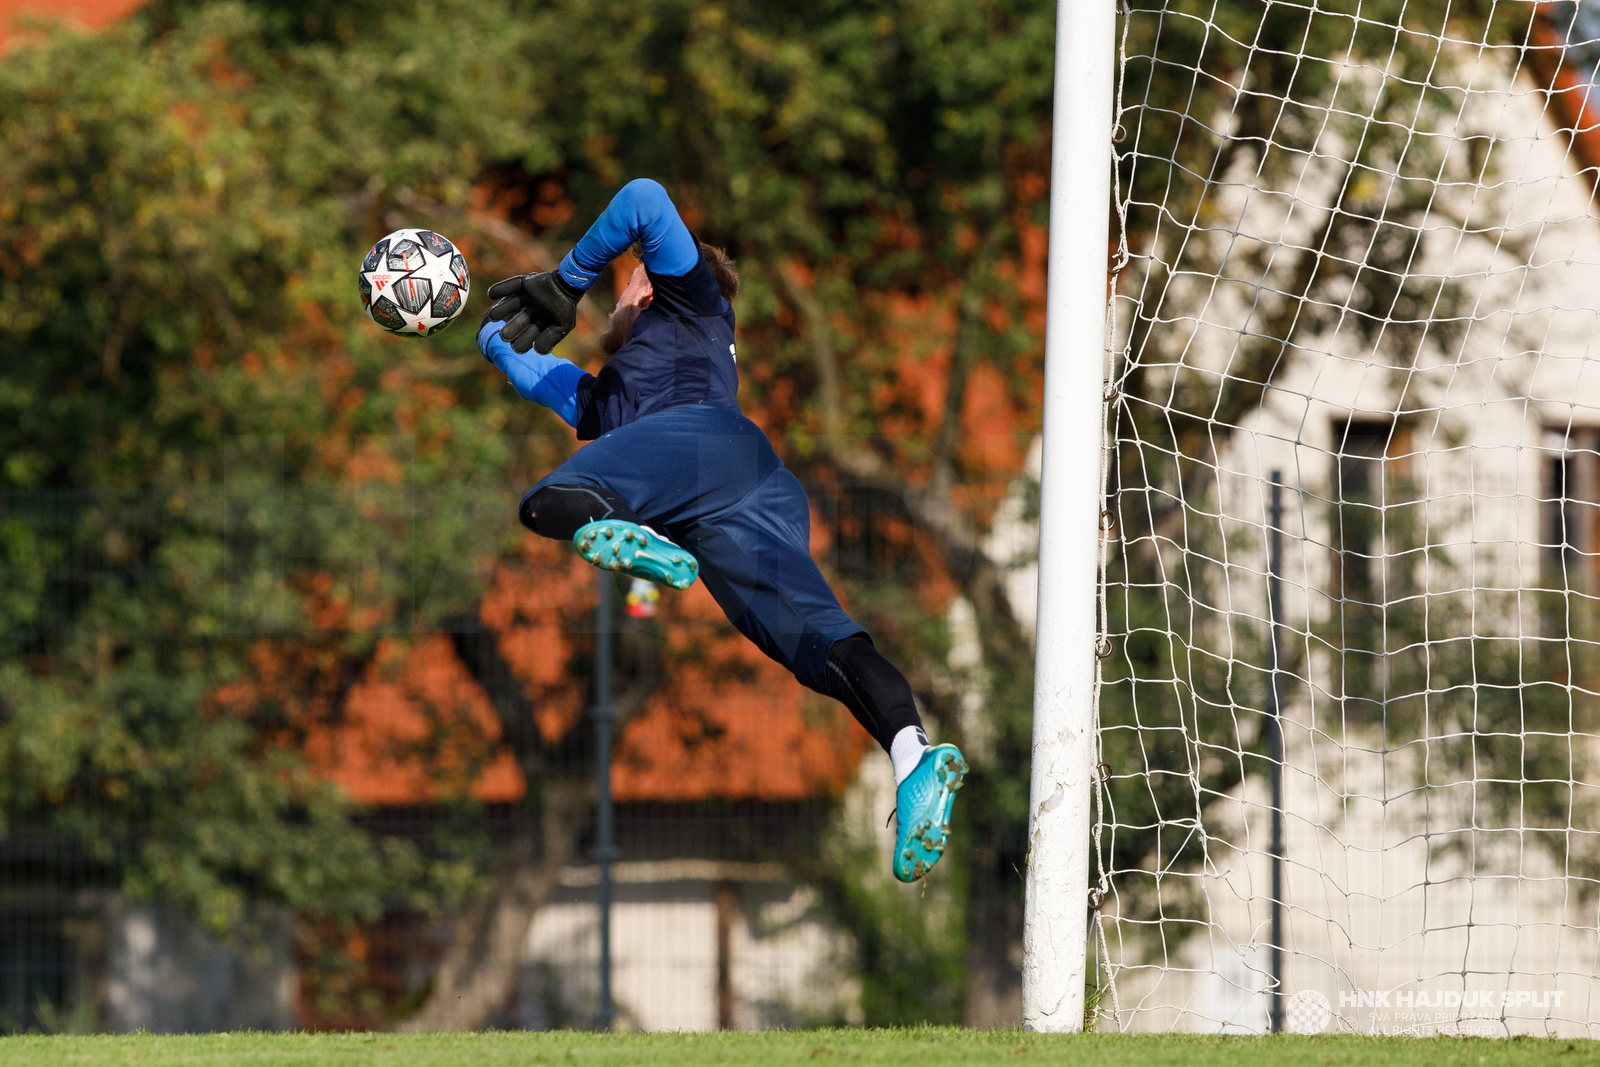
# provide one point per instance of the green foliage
(186, 194)
(1194, 136)
(196, 574)
(188, 377)
(875, 149)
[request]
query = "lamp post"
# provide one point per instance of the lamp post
(605, 845)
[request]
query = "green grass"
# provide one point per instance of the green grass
(923, 1045)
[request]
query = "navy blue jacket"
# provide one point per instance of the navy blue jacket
(680, 349)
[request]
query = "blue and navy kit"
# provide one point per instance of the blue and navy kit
(669, 439)
(680, 349)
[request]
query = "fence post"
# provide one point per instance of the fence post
(1275, 755)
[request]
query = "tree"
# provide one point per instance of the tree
(220, 486)
(878, 172)
(875, 170)
(186, 195)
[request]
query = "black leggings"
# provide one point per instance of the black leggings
(559, 511)
(877, 694)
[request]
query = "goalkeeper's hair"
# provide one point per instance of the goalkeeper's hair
(721, 269)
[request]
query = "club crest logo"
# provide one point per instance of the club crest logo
(1308, 1012)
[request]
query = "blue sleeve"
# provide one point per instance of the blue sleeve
(543, 379)
(642, 212)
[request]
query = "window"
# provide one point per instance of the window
(1371, 549)
(1569, 504)
(1364, 482)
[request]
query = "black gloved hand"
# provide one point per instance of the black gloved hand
(538, 310)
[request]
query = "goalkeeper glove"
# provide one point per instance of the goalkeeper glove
(538, 309)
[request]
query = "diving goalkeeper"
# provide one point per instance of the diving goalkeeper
(678, 483)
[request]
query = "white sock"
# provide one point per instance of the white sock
(906, 750)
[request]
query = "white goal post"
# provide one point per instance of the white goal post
(1317, 694)
(1071, 486)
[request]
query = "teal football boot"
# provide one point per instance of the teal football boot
(638, 551)
(922, 811)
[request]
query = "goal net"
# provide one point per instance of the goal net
(1349, 692)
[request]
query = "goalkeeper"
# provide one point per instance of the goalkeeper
(678, 483)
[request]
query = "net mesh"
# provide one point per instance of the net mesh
(1349, 727)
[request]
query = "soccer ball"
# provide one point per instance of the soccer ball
(414, 282)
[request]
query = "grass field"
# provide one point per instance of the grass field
(926, 1045)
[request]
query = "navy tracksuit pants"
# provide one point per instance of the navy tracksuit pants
(707, 477)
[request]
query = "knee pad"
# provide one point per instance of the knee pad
(557, 511)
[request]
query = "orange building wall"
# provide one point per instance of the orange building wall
(725, 722)
(86, 14)
(1569, 109)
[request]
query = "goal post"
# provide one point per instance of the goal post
(1071, 487)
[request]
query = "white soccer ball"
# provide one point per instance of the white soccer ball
(414, 282)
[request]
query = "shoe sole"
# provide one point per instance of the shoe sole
(624, 547)
(932, 835)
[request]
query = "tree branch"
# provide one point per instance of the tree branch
(959, 544)
(823, 359)
(478, 971)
